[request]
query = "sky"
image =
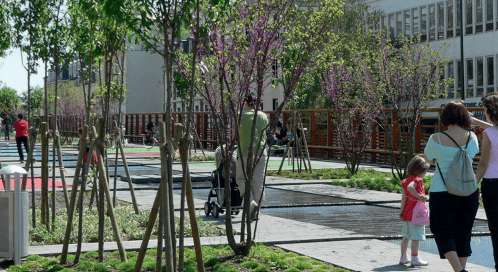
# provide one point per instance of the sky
(13, 74)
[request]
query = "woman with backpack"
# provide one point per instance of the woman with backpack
(488, 169)
(452, 216)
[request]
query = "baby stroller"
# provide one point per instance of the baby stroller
(218, 187)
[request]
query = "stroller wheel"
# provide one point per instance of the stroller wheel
(216, 210)
(207, 208)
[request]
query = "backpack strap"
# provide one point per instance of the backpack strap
(468, 139)
(438, 168)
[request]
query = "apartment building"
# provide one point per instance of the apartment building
(438, 22)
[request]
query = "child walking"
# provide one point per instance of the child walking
(413, 191)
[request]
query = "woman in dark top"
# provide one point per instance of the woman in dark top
(282, 132)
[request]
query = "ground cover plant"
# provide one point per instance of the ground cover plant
(329, 173)
(215, 258)
(132, 226)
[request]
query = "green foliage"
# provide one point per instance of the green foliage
(130, 254)
(113, 262)
(70, 258)
(224, 267)
(250, 264)
(91, 255)
(86, 266)
(353, 183)
(329, 173)
(9, 101)
(336, 182)
(292, 269)
(345, 183)
(262, 268)
(212, 261)
(100, 267)
(127, 266)
(398, 189)
(152, 252)
(34, 258)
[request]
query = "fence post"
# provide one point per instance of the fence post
(330, 133)
(312, 131)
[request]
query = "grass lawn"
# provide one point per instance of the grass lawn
(217, 258)
(330, 173)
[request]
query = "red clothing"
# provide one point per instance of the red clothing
(21, 128)
(411, 201)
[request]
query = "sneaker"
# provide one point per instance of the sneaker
(404, 259)
(416, 261)
(253, 208)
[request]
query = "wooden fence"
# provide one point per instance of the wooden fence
(322, 138)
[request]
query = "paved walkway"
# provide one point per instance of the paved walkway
(341, 247)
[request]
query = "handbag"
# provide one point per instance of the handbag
(420, 214)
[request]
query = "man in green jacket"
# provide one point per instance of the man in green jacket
(245, 132)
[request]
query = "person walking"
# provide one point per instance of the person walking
(21, 127)
(452, 216)
(245, 132)
(7, 122)
(413, 191)
(487, 170)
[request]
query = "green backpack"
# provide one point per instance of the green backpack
(461, 179)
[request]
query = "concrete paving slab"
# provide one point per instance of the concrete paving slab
(338, 191)
(370, 255)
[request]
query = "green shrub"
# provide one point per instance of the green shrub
(150, 265)
(371, 185)
(250, 264)
(116, 253)
(336, 182)
(17, 268)
(361, 184)
(100, 267)
(91, 255)
(282, 264)
(32, 264)
(398, 189)
(389, 187)
(153, 252)
(130, 255)
(127, 266)
(189, 266)
(56, 267)
(352, 183)
(325, 267)
(86, 266)
(315, 262)
(224, 267)
(113, 262)
(34, 258)
(345, 183)
(48, 263)
(301, 265)
(292, 269)
(319, 270)
(212, 261)
(67, 270)
(261, 268)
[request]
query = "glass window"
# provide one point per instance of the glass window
(458, 21)
(423, 23)
(480, 77)
(470, 78)
(459, 78)
(489, 15)
(479, 16)
(469, 22)
(490, 75)
(432, 23)
(440, 13)
(408, 29)
(449, 31)
(415, 22)
(391, 26)
(451, 75)
(399, 24)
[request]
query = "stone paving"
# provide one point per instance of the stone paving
(341, 247)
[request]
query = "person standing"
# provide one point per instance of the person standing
(7, 122)
(488, 169)
(413, 191)
(245, 132)
(21, 128)
(452, 216)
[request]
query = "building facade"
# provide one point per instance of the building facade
(438, 22)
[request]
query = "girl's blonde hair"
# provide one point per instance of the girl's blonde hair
(417, 165)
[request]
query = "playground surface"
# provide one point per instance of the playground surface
(350, 228)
